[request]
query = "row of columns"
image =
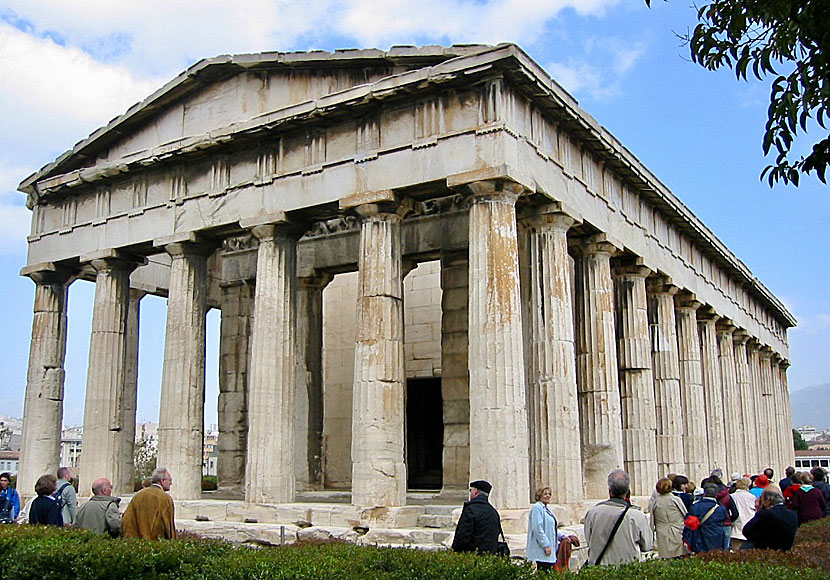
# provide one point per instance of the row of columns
(630, 371)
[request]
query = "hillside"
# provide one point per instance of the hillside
(811, 406)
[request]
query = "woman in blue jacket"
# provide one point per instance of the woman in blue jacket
(543, 536)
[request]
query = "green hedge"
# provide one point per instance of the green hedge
(42, 553)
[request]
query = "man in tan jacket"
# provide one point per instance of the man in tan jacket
(631, 538)
(150, 514)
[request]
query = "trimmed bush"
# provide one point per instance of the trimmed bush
(47, 553)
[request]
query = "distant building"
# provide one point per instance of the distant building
(808, 432)
(9, 461)
(210, 451)
(71, 446)
(812, 458)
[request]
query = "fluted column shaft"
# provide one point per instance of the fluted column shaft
(666, 370)
(767, 426)
(712, 391)
(181, 412)
(269, 465)
(789, 452)
(596, 364)
(237, 305)
(733, 426)
(552, 360)
(639, 417)
(308, 406)
(130, 397)
(106, 375)
(378, 469)
(746, 404)
(43, 405)
(778, 413)
(498, 407)
(691, 388)
(761, 443)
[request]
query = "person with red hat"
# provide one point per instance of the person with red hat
(761, 482)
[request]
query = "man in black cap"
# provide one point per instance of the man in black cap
(479, 526)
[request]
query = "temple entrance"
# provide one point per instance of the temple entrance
(424, 433)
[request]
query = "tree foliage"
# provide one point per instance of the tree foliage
(785, 40)
(798, 442)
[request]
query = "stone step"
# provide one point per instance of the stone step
(436, 521)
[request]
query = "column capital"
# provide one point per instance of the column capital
(316, 282)
(630, 266)
(49, 273)
(765, 352)
(753, 344)
(550, 216)
(594, 244)
(686, 300)
(741, 336)
(784, 364)
(495, 190)
(659, 284)
(276, 231)
(707, 314)
(112, 259)
(375, 203)
(725, 326)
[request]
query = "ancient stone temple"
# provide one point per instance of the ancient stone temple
(432, 266)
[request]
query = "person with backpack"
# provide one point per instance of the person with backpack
(9, 500)
(66, 497)
(705, 526)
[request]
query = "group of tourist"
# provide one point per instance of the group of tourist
(746, 512)
(150, 514)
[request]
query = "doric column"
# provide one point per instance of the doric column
(789, 452)
(378, 412)
(596, 365)
(269, 465)
(237, 310)
(106, 373)
(639, 418)
(778, 414)
(181, 412)
(308, 400)
(733, 427)
(551, 363)
(746, 403)
(767, 427)
(691, 387)
(130, 398)
(666, 370)
(498, 409)
(712, 389)
(761, 444)
(455, 387)
(43, 405)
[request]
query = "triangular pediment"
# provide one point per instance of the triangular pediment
(217, 92)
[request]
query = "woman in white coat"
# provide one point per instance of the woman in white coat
(543, 535)
(745, 502)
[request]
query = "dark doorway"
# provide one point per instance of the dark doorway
(424, 433)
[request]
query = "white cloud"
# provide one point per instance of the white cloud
(160, 36)
(14, 217)
(600, 68)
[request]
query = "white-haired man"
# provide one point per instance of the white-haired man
(616, 532)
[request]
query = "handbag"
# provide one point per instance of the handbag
(502, 549)
(587, 563)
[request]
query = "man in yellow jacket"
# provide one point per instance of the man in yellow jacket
(150, 514)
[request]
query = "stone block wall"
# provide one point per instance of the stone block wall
(422, 352)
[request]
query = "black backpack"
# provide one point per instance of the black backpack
(6, 510)
(61, 501)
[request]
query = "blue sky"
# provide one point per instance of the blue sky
(68, 68)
